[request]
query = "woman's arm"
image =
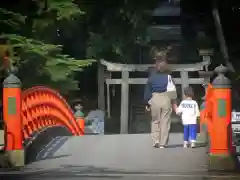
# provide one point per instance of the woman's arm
(147, 92)
(197, 110)
(174, 105)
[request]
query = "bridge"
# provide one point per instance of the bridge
(45, 140)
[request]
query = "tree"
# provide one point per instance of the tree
(34, 35)
(119, 29)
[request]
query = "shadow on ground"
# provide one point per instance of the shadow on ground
(44, 144)
(90, 172)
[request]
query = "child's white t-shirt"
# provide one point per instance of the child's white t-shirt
(189, 110)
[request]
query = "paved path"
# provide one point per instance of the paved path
(116, 157)
(128, 153)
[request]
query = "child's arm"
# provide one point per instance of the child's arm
(175, 107)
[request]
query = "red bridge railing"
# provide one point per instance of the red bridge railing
(43, 107)
(31, 111)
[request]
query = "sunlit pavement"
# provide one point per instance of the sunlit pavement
(117, 157)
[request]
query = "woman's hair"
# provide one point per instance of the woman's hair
(160, 56)
(160, 53)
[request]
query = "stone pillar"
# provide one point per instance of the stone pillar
(185, 83)
(12, 119)
(220, 153)
(206, 55)
(124, 103)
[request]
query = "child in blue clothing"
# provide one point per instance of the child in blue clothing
(189, 111)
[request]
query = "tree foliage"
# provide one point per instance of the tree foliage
(34, 36)
(120, 30)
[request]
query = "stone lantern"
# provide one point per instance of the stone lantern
(205, 54)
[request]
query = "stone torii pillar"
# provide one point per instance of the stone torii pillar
(124, 103)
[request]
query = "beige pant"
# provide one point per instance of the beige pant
(161, 110)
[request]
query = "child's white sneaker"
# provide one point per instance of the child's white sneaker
(185, 144)
(193, 145)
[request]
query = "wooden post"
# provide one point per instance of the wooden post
(220, 36)
(184, 78)
(124, 103)
(12, 119)
(101, 85)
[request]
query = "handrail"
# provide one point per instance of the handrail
(43, 107)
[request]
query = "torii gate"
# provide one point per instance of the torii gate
(125, 81)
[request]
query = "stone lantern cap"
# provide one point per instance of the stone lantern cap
(205, 52)
(78, 109)
(221, 81)
(12, 81)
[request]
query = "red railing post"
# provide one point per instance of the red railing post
(12, 119)
(202, 123)
(203, 135)
(79, 116)
(221, 132)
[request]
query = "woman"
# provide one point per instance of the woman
(159, 92)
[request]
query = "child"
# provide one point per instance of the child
(189, 111)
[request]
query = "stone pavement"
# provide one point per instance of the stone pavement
(128, 153)
(117, 157)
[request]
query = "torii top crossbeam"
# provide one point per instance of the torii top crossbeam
(116, 67)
